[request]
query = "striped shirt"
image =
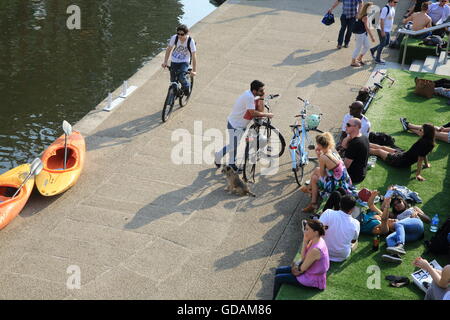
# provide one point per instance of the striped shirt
(350, 8)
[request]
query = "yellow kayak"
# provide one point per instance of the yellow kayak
(53, 179)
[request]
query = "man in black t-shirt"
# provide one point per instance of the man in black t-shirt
(356, 151)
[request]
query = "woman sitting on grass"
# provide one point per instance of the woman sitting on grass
(441, 133)
(330, 175)
(441, 280)
(315, 262)
(404, 228)
(417, 153)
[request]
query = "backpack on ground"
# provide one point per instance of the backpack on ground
(439, 242)
(188, 46)
(382, 139)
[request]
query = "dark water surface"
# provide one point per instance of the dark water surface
(49, 73)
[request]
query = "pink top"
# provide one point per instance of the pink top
(316, 275)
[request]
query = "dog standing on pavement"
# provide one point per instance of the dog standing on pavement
(235, 184)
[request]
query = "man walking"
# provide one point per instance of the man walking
(384, 31)
(243, 111)
(356, 148)
(350, 8)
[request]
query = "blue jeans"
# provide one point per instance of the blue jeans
(406, 230)
(178, 71)
(284, 275)
(234, 136)
(384, 41)
(346, 24)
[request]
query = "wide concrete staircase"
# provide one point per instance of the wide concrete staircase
(432, 64)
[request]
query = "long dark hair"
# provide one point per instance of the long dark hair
(397, 199)
(428, 133)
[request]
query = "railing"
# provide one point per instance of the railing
(408, 33)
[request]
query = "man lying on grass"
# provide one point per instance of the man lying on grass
(417, 153)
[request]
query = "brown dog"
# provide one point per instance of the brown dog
(235, 184)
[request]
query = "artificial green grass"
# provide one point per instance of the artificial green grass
(348, 280)
(415, 50)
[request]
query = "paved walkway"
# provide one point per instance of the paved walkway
(141, 227)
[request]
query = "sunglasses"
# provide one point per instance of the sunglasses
(181, 34)
(349, 125)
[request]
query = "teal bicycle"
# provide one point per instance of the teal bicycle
(303, 140)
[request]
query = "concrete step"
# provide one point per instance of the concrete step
(430, 64)
(416, 66)
(442, 68)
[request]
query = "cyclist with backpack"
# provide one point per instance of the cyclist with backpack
(182, 51)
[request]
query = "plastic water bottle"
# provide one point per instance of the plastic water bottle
(434, 223)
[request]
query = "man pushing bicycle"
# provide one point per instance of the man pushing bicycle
(246, 107)
(182, 51)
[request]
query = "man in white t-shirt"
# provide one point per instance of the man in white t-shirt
(243, 111)
(356, 109)
(342, 234)
(386, 23)
(182, 51)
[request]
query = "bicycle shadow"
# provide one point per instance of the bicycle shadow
(123, 133)
(186, 199)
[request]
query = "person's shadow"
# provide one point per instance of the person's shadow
(296, 59)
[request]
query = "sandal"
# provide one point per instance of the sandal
(355, 64)
(361, 62)
(305, 189)
(312, 207)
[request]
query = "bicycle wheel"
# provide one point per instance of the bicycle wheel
(275, 145)
(184, 99)
(168, 104)
(299, 169)
(311, 142)
(250, 158)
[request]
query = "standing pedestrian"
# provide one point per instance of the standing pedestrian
(350, 8)
(384, 31)
(362, 32)
(245, 108)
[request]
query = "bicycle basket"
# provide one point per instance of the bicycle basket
(312, 121)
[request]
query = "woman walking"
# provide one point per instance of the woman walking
(362, 32)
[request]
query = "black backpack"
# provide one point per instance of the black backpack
(382, 139)
(188, 45)
(439, 242)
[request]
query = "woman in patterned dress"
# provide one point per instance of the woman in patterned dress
(331, 174)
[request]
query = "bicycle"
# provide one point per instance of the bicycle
(299, 154)
(376, 86)
(174, 92)
(262, 140)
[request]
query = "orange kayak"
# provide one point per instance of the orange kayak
(10, 181)
(53, 179)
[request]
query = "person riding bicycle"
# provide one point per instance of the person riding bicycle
(182, 50)
(246, 107)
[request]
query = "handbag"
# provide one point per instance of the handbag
(328, 19)
(424, 88)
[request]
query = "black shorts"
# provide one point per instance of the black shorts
(396, 160)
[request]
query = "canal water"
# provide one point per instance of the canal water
(49, 73)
